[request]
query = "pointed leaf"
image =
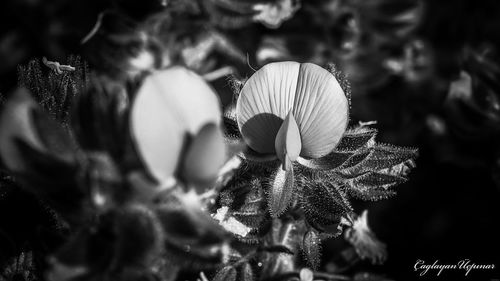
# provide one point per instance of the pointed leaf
(371, 194)
(281, 192)
(351, 150)
(311, 245)
(324, 202)
(375, 180)
(384, 156)
(373, 186)
(369, 174)
(355, 160)
(357, 138)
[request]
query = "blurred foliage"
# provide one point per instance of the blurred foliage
(52, 90)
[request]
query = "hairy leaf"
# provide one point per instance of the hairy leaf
(385, 157)
(281, 193)
(371, 194)
(355, 160)
(329, 162)
(372, 168)
(324, 202)
(357, 138)
(245, 199)
(375, 180)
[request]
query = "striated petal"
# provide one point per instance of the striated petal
(321, 110)
(265, 100)
(312, 94)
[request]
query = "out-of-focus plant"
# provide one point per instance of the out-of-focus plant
(54, 90)
(370, 41)
(473, 101)
(237, 13)
(108, 205)
(118, 48)
(20, 268)
(467, 130)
